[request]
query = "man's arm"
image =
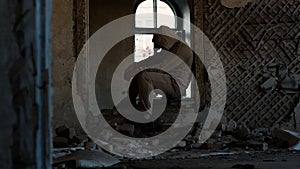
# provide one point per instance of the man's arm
(169, 60)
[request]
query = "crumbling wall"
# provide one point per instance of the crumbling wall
(19, 123)
(101, 14)
(71, 22)
(199, 69)
(63, 64)
(249, 39)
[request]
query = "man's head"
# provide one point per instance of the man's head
(165, 38)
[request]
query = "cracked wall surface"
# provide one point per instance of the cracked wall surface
(63, 64)
(19, 115)
(70, 26)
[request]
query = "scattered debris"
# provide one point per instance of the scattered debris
(260, 132)
(182, 144)
(60, 142)
(242, 132)
(269, 85)
(72, 133)
(87, 159)
(126, 128)
(60, 152)
(287, 139)
(196, 145)
(231, 126)
(90, 145)
(80, 139)
(63, 131)
(218, 154)
(231, 139)
(282, 79)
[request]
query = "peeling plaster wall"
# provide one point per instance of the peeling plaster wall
(63, 64)
(68, 34)
(101, 14)
(199, 68)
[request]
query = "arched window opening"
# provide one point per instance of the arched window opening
(153, 14)
(150, 15)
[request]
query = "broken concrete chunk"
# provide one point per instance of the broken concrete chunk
(283, 79)
(272, 67)
(81, 139)
(282, 71)
(269, 85)
(88, 159)
(225, 153)
(181, 144)
(287, 139)
(261, 132)
(257, 145)
(289, 85)
(72, 133)
(242, 132)
(231, 126)
(90, 145)
(235, 3)
(296, 147)
(196, 145)
(127, 128)
(60, 142)
(62, 131)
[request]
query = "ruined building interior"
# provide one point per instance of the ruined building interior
(256, 41)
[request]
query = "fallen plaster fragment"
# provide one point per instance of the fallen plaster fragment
(218, 154)
(88, 159)
(289, 84)
(270, 85)
(284, 80)
(296, 147)
(288, 138)
(235, 3)
(231, 127)
(296, 135)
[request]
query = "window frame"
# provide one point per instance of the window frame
(149, 31)
(172, 7)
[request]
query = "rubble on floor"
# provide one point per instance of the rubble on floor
(80, 151)
(287, 139)
(85, 159)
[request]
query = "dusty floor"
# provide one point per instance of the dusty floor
(263, 160)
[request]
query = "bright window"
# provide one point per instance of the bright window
(150, 15)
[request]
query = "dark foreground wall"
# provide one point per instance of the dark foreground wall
(23, 90)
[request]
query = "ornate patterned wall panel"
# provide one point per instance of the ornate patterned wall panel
(248, 39)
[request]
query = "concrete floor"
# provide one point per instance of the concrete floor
(263, 160)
